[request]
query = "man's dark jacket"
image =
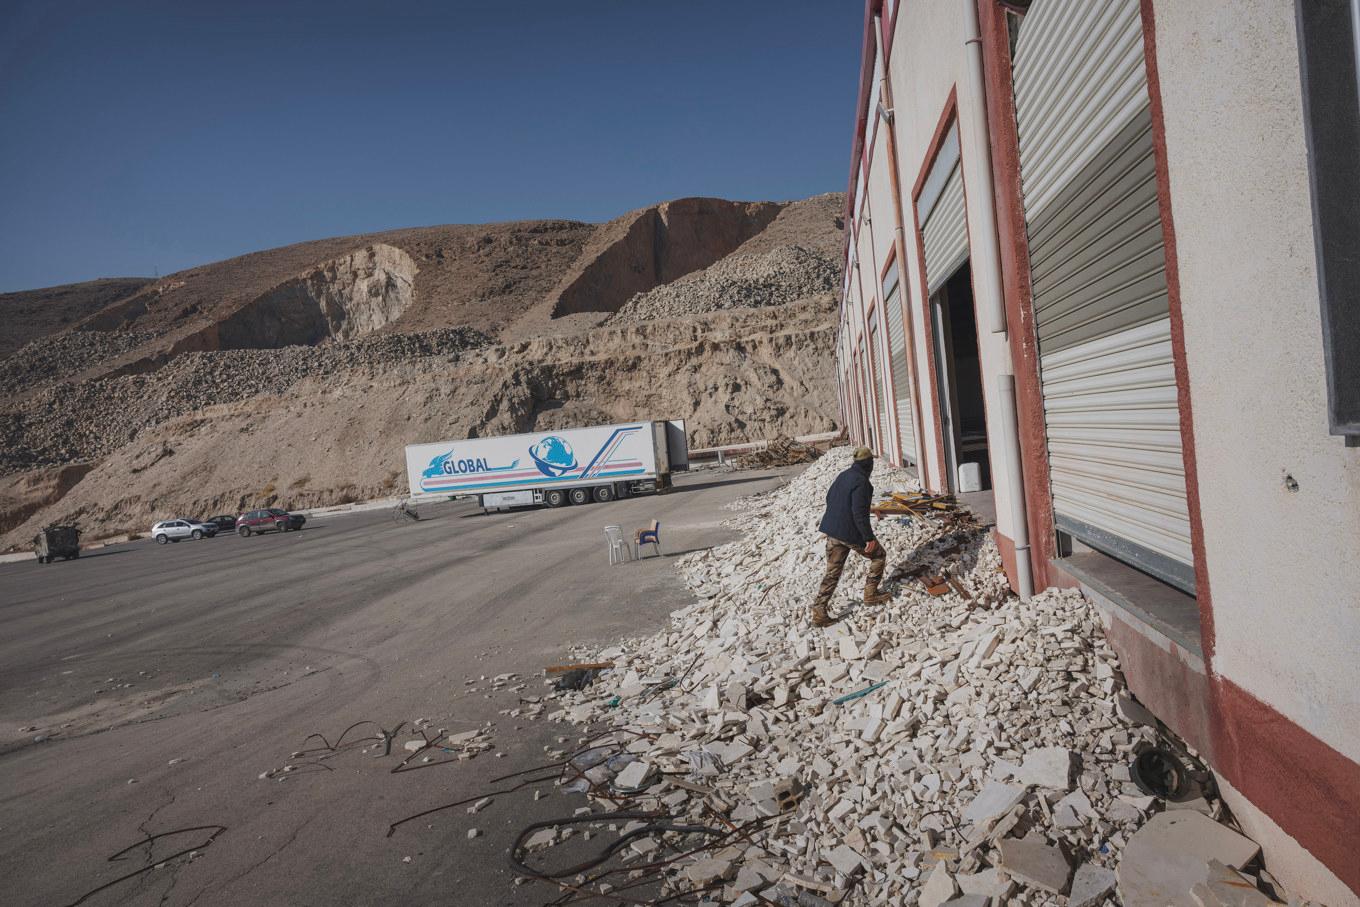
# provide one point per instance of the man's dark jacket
(847, 506)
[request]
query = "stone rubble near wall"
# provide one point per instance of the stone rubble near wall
(749, 280)
(993, 764)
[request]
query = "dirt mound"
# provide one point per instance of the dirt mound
(52, 359)
(338, 435)
(740, 281)
(816, 224)
(87, 420)
(653, 246)
(23, 495)
(30, 314)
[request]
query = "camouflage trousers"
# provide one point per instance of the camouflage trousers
(836, 553)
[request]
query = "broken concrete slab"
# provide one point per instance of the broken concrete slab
(939, 887)
(1171, 854)
(1090, 885)
(969, 900)
(994, 800)
(1049, 766)
(988, 883)
(1226, 887)
(845, 860)
(633, 777)
(708, 870)
(1034, 862)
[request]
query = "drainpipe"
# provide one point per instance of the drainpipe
(1024, 571)
(982, 236)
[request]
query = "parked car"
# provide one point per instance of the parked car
(209, 528)
(180, 528)
(273, 519)
(224, 523)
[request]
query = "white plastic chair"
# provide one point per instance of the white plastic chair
(619, 549)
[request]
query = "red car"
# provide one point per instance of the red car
(270, 520)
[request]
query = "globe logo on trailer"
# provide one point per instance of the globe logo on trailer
(553, 456)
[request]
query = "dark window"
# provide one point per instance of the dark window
(1329, 60)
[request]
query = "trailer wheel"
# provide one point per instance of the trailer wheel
(579, 495)
(603, 493)
(554, 497)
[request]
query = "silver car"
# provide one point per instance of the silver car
(174, 530)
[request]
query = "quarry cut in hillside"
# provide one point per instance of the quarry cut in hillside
(295, 376)
(653, 246)
(341, 299)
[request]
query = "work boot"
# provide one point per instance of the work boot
(820, 618)
(872, 595)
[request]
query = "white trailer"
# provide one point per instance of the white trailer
(552, 468)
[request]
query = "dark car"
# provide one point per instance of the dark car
(272, 519)
(224, 523)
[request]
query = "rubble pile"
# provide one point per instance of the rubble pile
(961, 745)
(742, 281)
(56, 357)
(87, 419)
(779, 452)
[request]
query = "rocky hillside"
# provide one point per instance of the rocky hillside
(296, 376)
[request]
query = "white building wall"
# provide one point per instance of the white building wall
(1282, 564)
(883, 230)
(928, 62)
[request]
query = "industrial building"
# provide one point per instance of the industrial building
(1097, 265)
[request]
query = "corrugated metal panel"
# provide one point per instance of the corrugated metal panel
(1114, 447)
(1079, 79)
(1098, 275)
(946, 159)
(1096, 256)
(880, 397)
(897, 349)
(945, 233)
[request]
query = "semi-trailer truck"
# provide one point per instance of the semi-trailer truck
(551, 468)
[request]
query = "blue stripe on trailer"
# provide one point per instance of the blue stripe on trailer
(603, 475)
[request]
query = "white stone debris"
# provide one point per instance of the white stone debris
(1173, 854)
(989, 763)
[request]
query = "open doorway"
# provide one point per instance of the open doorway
(958, 376)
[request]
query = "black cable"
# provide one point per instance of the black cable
(647, 830)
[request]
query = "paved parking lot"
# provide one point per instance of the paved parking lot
(163, 680)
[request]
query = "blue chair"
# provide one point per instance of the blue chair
(649, 536)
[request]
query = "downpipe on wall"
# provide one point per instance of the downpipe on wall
(982, 235)
(1024, 571)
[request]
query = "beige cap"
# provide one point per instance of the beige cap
(863, 453)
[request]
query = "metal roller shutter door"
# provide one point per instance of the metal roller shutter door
(880, 397)
(945, 233)
(901, 377)
(1098, 276)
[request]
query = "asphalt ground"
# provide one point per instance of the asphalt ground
(144, 689)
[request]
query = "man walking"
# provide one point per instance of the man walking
(846, 527)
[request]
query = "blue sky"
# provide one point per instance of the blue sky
(140, 137)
